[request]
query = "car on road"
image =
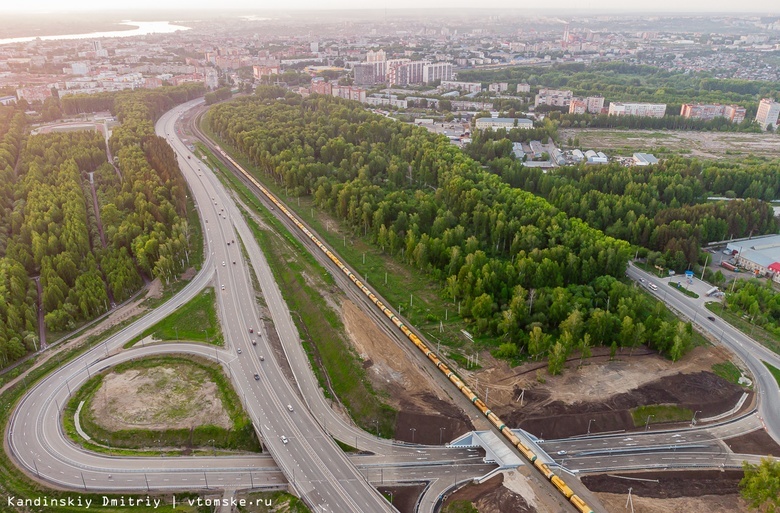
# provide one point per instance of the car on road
(561, 453)
(251, 330)
(238, 350)
(223, 287)
(261, 358)
(254, 342)
(257, 377)
(711, 318)
(234, 262)
(223, 263)
(284, 439)
(289, 407)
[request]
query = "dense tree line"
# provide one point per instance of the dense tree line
(18, 318)
(620, 81)
(518, 265)
(223, 93)
(662, 207)
(757, 300)
(760, 486)
(48, 226)
(670, 121)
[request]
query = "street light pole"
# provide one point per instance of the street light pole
(693, 420)
(589, 422)
(413, 431)
(647, 424)
(440, 433)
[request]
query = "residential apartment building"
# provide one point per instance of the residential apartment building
(556, 97)
(506, 123)
(349, 92)
(469, 87)
(768, 113)
(34, 93)
(498, 87)
(653, 110)
(595, 104)
(438, 71)
(578, 106)
(733, 113)
(523, 88)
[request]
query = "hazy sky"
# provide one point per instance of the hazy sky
(622, 5)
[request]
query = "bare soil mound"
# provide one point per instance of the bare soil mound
(491, 497)
(668, 485)
(616, 503)
(703, 391)
(423, 407)
(166, 397)
(757, 442)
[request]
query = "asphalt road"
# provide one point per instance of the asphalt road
(747, 349)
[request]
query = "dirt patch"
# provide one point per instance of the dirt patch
(700, 144)
(155, 289)
(404, 497)
(188, 274)
(170, 396)
(668, 485)
(492, 496)
(615, 503)
(757, 442)
(703, 391)
(422, 408)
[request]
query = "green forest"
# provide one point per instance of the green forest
(543, 281)
(663, 208)
(620, 81)
(49, 227)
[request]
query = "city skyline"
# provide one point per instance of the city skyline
(703, 6)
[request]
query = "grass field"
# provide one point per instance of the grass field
(727, 371)
(660, 413)
(676, 286)
(774, 370)
(195, 321)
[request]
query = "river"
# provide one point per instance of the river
(142, 28)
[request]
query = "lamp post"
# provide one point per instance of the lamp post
(440, 433)
(693, 420)
(647, 424)
(413, 431)
(589, 423)
(213, 448)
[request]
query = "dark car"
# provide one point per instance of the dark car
(711, 318)
(257, 377)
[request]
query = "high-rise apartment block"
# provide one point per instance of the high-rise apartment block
(523, 88)
(768, 112)
(437, 71)
(733, 113)
(653, 110)
(556, 97)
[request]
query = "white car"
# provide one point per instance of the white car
(223, 287)
(223, 263)
(284, 439)
(289, 407)
(238, 350)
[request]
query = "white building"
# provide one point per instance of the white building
(653, 110)
(768, 113)
(506, 123)
(469, 87)
(438, 71)
(523, 88)
(644, 159)
(556, 97)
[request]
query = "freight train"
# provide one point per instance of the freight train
(527, 452)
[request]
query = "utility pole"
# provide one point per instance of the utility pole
(630, 501)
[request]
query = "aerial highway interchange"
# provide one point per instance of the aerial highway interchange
(296, 423)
